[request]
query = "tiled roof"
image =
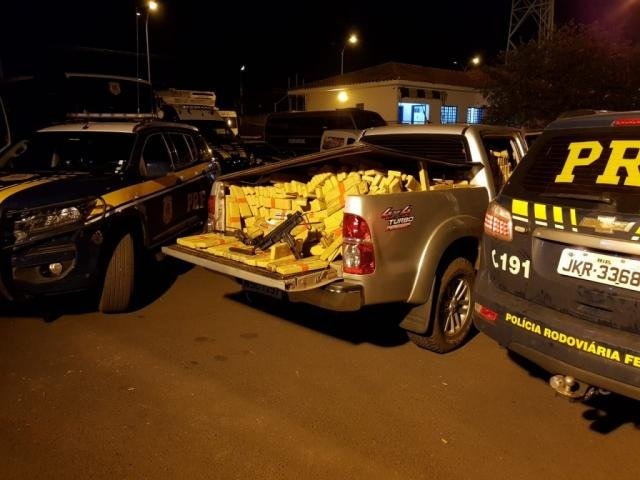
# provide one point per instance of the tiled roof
(401, 71)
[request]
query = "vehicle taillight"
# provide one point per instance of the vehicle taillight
(219, 208)
(626, 122)
(498, 223)
(485, 312)
(211, 213)
(357, 248)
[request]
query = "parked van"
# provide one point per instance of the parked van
(198, 108)
(298, 133)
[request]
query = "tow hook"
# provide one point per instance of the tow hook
(569, 388)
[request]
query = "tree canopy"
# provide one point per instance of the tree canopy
(580, 67)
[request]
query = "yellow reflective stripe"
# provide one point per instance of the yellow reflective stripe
(7, 192)
(540, 211)
(124, 195)
(192, 171)
(520, 207)
(557, 214)
(572, 214)
(638, 231)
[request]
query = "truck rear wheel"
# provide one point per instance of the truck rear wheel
(117, 290)
(451, 317)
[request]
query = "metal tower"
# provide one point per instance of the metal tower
(540, 12)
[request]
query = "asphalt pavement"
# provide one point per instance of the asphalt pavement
(198, 382)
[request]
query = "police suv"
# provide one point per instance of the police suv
(81, 202)
(560, 277)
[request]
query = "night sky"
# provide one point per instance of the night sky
(202, 44)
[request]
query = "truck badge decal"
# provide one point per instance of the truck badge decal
(603, 224)
(398, 218)
(167, 210)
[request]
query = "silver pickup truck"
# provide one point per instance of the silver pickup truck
(404, 205)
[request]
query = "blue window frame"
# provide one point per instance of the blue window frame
(475, 114)
(448, 114)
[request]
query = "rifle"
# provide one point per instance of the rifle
(282, 232)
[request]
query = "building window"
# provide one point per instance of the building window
(413, 113)
(475, 114)
(448, 114)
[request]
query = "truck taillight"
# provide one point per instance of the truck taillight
(498, 223)
(211, 213)
(217, 213)
(357, 249)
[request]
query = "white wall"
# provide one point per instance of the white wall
(381, 99)
(384, 99)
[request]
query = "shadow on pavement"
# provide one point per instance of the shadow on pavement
(154, 278)
(378, 326)
(605, 412)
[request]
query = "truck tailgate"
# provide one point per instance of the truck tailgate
(296, 282)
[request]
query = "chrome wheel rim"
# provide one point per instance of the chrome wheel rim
(456, 304)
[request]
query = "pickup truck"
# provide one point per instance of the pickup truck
(394, 218)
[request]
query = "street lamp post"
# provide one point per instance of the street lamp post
(137, 61)
(352, 40)
(242, 69)
(151, 7)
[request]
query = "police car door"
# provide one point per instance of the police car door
(190, 197)
(161, 188)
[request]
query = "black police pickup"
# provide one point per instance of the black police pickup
(560, 277)
(80, 203)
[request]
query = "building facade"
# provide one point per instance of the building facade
(401, 93)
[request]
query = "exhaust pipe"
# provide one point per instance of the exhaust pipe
(568, 387)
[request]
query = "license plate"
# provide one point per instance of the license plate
(262, 289)
(600, 268)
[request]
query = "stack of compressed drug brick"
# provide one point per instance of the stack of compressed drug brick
(253, 211)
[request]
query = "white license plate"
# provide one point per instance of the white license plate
(262, 289)
(600, 268)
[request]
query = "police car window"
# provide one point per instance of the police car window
(92, 152)
(192, 146)
(580, 166)
(204, 151)
(183, 152)
(156, 157)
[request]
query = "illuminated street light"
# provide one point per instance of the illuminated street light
(476, 60)
(343, 96)
(352, 40)
(151, 7)
(242, 69)
(137, 60)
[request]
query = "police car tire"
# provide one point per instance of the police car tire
(436, 339)
(117, 290)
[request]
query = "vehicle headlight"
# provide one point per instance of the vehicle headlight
(32, 223)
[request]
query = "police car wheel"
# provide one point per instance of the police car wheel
(451, 318)
(117, 290)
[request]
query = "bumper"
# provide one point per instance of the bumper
(58, 265)
(338, 296)
(559, 343)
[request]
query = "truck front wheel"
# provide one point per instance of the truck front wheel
(451, 317)
(117, 290)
